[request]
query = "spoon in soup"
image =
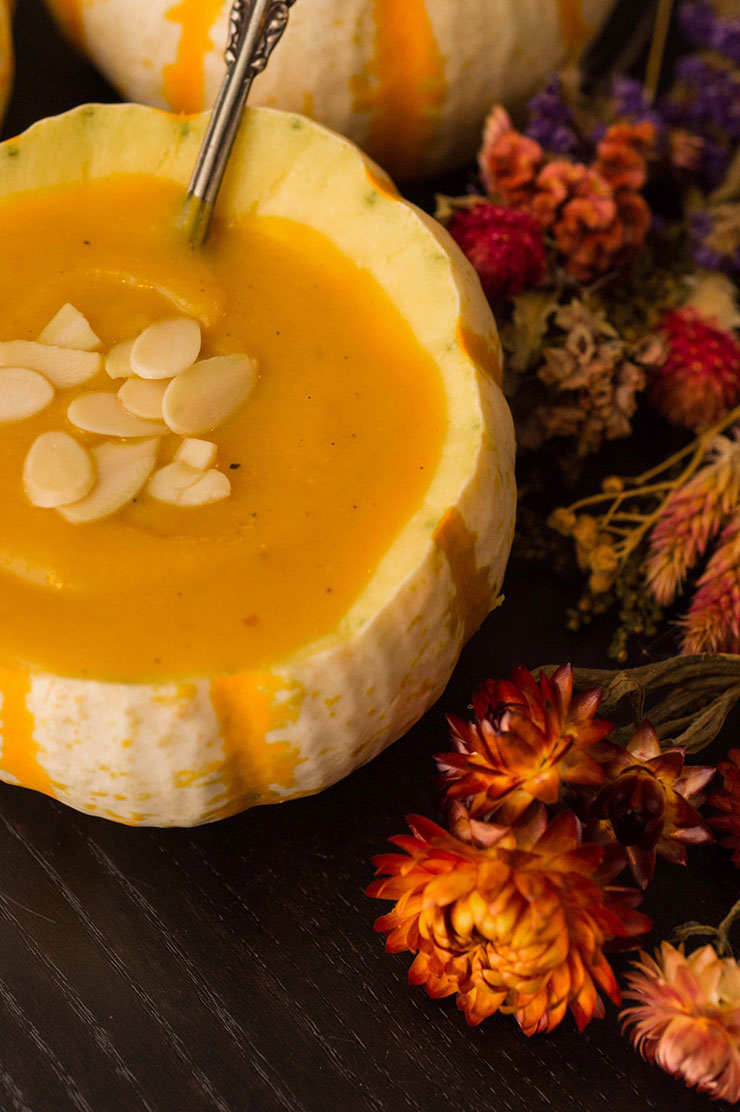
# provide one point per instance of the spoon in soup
(255, 28)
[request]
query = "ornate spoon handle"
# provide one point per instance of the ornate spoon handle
(256, 27)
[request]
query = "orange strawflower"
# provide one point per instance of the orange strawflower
(728, 802)
(649, 805)
(508, 161)
(517, 924)
(528, 737)
(687, 1017)
(623, 152)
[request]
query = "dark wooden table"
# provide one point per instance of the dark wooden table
(234, 967)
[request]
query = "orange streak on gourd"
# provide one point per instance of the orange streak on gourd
(184, 79)
(404, 87)
(472, 582)
(70, 15)
(480, 351)
(19, 755)
(573, 27)
(248, 708)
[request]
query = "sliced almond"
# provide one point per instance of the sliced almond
(102, 412)
(199, 454)
(166, 348)
(57, 470)
(179, 484)
(22, 393)
(143, 397)
(69, 329)
(212, 486)
(206, 394)
(63, 367)
(122, 471)
(118, 360)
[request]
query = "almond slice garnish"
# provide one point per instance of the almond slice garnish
(22, 393)
(143, 397)
(103, 413)
(69, 329)
(58, 470)
(63, 367)
(200, 454)
(179, 484)
(122, 471)
(206, 394)
(166, 348)
(118, 360)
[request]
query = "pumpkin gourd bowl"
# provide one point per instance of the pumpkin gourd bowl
(174, 664)
(409, 80)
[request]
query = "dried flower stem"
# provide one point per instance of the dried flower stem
(657, 48)
(721, 933)
(702, 690)
(630, 526)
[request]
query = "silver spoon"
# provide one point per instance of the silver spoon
(255, 28)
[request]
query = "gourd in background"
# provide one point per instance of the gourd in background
(197, 748)
(6, 54)
(409, 80)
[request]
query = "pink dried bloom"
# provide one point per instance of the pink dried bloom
(691, 519)
(686, 1018)
(712, 624)
(508, 161)
(700, 379)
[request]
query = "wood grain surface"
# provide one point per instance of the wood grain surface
(234, 967)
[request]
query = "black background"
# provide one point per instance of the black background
(234, 967)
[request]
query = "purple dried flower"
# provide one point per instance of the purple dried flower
(630, 102)
(551, 119)
(715, 238)
(705, 28)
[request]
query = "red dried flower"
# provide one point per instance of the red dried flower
(728, 802)
(527, 738)
(687, 1017)
(700, 380)
(504, 245)
(518, 925)
(649, 804)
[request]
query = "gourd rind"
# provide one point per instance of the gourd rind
(188, 752)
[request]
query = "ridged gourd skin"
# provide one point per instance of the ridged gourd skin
(184, 753)
(409, 80)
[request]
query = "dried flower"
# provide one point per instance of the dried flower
(528, 737)
(623, 153)
(687, 1017)
(727, 800)
(704, 27)
(700, 378)
(518, 925)
(713, 621)
(691, 518)
(551, 120)
(715, 236)
(594, 377)
(595, 228)
(508, 161)
(504, 245)
(649, 803)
